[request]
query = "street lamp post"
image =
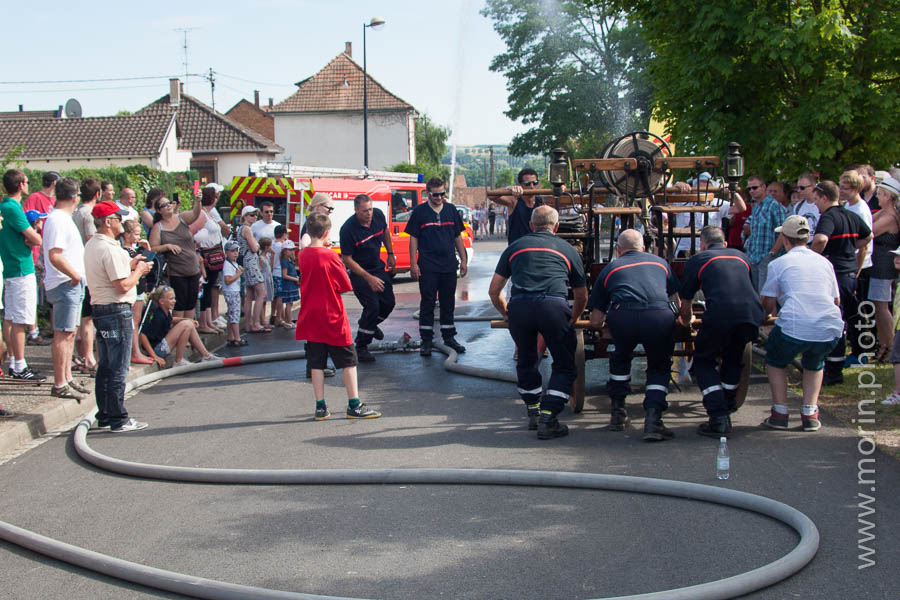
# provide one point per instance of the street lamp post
(376, 23)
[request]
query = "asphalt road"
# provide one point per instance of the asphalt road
(420, 541)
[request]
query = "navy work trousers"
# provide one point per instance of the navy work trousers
(529, 315)
(442, 285)
(114, 329)
(653, 328)
(719, 383)
(377, 306)
(834, 362)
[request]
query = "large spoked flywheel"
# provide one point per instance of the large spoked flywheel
(644, 180)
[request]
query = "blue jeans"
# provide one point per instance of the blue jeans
(114, 330)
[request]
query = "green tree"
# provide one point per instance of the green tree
(574, 72)
(11, 155)
(431, 145)
(799, 83)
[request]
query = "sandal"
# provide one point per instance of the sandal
(85, 370)
(882, 354)
(237, 343)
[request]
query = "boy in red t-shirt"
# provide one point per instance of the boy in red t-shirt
(323, 321)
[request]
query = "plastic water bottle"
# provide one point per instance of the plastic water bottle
(723, 463)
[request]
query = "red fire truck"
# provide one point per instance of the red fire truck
(395, 194)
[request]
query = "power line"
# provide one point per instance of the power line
(99, 89)
(92, 80)
(252, 81)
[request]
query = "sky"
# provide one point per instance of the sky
(434, 55)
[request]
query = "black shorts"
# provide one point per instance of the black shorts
(86, 304)
(186, 291)
(317, 354)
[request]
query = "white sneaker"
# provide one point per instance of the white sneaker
(210, 357)
(892, 400)
(221, 323)
(182, 363)
(129, 425)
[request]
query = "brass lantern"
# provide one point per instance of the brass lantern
(734, 163)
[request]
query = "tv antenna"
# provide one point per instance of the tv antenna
(185, 31)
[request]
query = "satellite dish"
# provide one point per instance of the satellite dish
(73, 108)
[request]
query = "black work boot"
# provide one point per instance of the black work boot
(456, 346)
(549, 427)
(533, 415)
(425, 348)
(618, 418)
(654, 430)
(716, 427)
(379, 334)
(363, 355)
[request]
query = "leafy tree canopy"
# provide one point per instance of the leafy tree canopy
(799, 83)
(574, 72)
(431, 145)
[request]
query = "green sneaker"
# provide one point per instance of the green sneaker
(361, 411)
(322, 413)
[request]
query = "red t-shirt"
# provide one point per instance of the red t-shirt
(736, 227)
(322, 317)
(42, 203)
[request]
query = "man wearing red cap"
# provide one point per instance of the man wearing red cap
(112, 277)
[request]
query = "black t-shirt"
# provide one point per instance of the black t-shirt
(541, 263)
(363, 244)
(436, 234)
(520, 219)
(633, 278)
(724, 276)
(157, 325)
(844, 229)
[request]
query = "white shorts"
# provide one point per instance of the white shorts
(20, 300)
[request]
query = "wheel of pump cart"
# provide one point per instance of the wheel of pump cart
(645, 148)
(744, 383)
(576, 400)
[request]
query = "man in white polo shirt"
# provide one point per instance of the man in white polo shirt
(111, 276)
(20, 285)
(126, 202)
(809, 322)
(64, 282)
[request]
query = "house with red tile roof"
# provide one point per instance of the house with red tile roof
(96, 142)
(321, 124)
(253, 116)
(221, 147)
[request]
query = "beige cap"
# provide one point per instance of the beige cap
(795, 226)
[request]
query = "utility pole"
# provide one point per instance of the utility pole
(492, 167)
(185, 30)
(212, 88)
(484, 172)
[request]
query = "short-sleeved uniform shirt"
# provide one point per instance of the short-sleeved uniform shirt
(322, 317)
(106, 261)
(17, 257)
(724, 276)
(633, 278)
(843, 229)
(363, 244)
(157, 325)
(541, 263)
(520, 219)
(436, 234)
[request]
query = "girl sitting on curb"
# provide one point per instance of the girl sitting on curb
(163, 333)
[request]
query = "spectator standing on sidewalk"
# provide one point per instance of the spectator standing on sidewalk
(64, 280)
(84, 220)
(134, 245)
(126, 202)
(112, 278)
(4, 414)
(762, 246)
(41, 203)
(20, 285)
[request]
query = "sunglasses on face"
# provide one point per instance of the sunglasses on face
(437, 194)
(268, 212)
(753, 188)
(162, 205)
(531, 183)
(330, 209)
(801, 188)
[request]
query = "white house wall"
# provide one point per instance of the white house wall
(336, 139)
(171, 158)
(236, 164)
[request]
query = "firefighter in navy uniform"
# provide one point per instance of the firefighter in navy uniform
(731, 320)
(632, 296)
(362, 236)
(434, 229)
(520, 206)
(541, 267)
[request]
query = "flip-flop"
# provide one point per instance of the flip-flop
(141, 361)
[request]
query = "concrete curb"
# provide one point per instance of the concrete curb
(49, 416)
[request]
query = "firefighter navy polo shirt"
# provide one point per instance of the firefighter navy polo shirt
(436, 234)
(363, 244)
(724, 276)
(634, 278)
(844, 229)
(541, 263)
(520, 219)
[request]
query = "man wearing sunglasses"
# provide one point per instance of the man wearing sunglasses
(763, 245)
(521, 206)
(434, 230)
(265, 226)
(807, 207)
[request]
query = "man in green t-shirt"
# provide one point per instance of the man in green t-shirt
(20, 285)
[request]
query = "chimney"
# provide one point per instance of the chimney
(271, 103)
(174, 92)
(348, 49)
(256, 98)
(21, 107)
